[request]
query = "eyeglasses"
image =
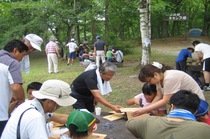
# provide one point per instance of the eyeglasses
(149, 81)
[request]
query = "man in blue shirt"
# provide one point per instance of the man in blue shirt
(181, 60)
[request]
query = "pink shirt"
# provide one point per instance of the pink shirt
(51, 47)
(145, 103)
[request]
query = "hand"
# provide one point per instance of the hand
(117, 108)
(12, 106)
(138, 112)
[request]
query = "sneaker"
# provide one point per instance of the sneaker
(67, 64)
(206, 88)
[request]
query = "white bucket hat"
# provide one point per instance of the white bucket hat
(56, 90)
(35, 41)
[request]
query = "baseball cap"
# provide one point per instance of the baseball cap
(56, 90)
(35, 41)
(72, 40)
(202, 108)
(82, 119)
(98, 37)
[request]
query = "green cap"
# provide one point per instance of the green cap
(82, 119)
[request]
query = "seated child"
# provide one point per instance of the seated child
(81, 124)
(33, 87)
(144, 99)
(109, 55)
(202, 114)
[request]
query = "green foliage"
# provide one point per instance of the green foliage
(85, 19)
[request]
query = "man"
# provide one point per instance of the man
(33, 42)
(72, 51)
(203, 52)
(88, 87)
(181, 60)
(28, 120)
(52, 53)
(10, 77)
(180, 123)
(99, 50)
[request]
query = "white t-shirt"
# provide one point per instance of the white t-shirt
(204, 49)
(119, 56)
(175, 80)
(32, 125)
(72, 46)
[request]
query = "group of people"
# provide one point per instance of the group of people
(98, 54)
(163, 85)
(203, 53)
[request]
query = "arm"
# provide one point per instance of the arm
(18, 92)
(99, 98)
(57, 52)
(158, 96)
(105, 48)
(95, 50)
(59, 118)
(132, 101)
(153, 106)
(200, 56)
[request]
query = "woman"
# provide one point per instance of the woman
(168, 82)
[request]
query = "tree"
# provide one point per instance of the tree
(145, 27)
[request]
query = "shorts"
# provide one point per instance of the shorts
(72, 55)
(206, 64)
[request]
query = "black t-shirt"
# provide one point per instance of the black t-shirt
(85, 82)
(99, 44)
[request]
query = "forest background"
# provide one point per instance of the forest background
(117, 21)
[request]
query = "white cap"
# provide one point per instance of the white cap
(35, 41)
(72, 40)
(56, 90)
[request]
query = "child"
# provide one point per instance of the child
(202, 114)
(144, 99)
(109, 55)
(34, 86)
(80, 124)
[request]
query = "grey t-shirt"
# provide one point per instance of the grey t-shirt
(155, 127)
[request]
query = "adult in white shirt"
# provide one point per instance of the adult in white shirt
(32, 124)
(33, 42)
(119, 56)
(203, 52)
(72, 51)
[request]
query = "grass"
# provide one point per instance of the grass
(123, 86)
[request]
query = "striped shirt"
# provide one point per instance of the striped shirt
(51, 47)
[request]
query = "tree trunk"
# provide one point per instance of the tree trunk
(145, 29)
(106, 18)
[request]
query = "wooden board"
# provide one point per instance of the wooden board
(129, 116)
(128, 109)
(114, 116)
(97, 136)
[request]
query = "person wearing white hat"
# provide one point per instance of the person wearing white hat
(72, 51)
(33, 42)
(30, 116)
